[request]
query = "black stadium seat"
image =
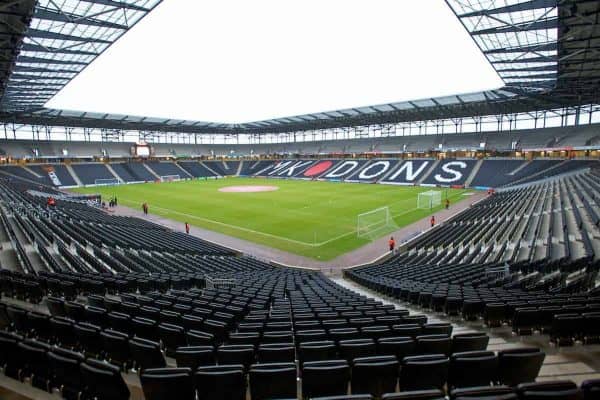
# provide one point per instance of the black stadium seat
(236, 354)
(316, 351)
(375, 375)
(102, 381)
(168, 383)
(276, 353)
(195, 356)
(146, 354)
(469, 342)
(473, 368)
(325, 378)
(65, 372)
(424, 372)
(517, 366)
(273, 381)
(222, 382)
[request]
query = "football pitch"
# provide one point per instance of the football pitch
(310, 218)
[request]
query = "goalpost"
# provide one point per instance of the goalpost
(169, 178)
(429, 199)
(107, 182)
(374, 223)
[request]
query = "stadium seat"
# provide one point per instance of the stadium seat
(410, 330)
(10, 356)
(325, 378)
(146, 354)
(102, 381)
(88, 338)
(65, 372)
(397, 346)
(199, 338)
(222, 382)
(172, 337)
(236, 354)
(168, 383)
(434, 344)
(517, 366)
(375, 375)
(116, 347)
(145, 328)
(469, 342)
(437, 329)
(273, 381)
(195, 356)
(474, 368)
(317, 351)
(351, 349)
(424, 372)
(34, 362)
(276, 353)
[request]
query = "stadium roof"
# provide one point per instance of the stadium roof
(46, 43)
(546, 51)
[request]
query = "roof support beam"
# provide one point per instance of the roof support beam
(524, 6)
(40, 60)
(54, 50)
(119, 4)
(553, 46)
(68, 18)
(36, 33)
(549, 23)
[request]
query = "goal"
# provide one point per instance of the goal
(106, 182)
(429, 199)
(374, 223)
(169, 178)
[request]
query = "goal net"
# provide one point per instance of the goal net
(169, 178)
(429, 199)
(375, 223)
(110, 181)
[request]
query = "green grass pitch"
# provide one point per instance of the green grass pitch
(310, 218)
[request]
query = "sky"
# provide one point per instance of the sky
(236, 61)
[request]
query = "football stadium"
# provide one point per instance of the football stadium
(393, 200)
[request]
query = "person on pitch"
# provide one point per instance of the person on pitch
(187, 228)
(432, 221)
(392, 244)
